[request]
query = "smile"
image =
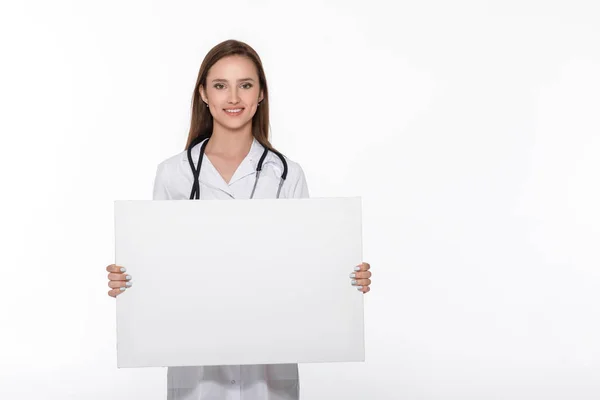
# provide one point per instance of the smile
(234, 111)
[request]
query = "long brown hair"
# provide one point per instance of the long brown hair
(201, 125)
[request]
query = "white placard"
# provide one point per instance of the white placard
(261, 281)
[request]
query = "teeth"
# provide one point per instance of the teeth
(234, 111)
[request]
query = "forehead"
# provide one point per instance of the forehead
(233, 67)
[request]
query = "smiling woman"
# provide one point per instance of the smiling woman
(229, 136)
(229, 96)
(233, 102)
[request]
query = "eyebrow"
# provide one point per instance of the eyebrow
(239, 80)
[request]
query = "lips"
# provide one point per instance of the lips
(234, 111)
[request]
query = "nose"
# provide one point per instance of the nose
(233, 96)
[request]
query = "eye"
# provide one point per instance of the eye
(219, 86)
(246, 85)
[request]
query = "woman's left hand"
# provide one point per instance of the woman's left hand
(360, 278)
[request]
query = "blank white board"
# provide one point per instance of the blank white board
(261, 281)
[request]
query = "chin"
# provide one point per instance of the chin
(234, 126)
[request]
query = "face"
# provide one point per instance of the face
(232, 92)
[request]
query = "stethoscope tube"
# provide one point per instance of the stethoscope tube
(195, 193)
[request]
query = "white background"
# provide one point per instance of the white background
(471, 129)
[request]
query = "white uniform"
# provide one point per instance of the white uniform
(174, 182)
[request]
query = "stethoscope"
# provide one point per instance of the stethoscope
(195, 194)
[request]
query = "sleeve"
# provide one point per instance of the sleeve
(300, 189)
(161, 191)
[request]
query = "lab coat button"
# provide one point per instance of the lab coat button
(232, 382)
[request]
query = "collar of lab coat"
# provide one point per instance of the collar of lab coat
(210, 176)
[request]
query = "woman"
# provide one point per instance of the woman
(228, 134)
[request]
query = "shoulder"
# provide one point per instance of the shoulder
(169, 173)
(173, 162)
(174, 167)
(294, 169)
(295, 183)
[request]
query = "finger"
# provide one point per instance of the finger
(115, 292)
(115, 268)
(361, 282)
(119, 277)
(119, 284)
(361, 275)
(363, 267)
(363, 289)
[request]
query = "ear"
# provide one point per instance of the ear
(203, 94)
(261, 96)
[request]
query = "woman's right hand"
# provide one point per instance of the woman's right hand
(118, 281)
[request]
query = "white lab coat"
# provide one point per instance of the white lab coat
(174, 182)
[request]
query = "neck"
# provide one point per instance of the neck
(230, 144)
